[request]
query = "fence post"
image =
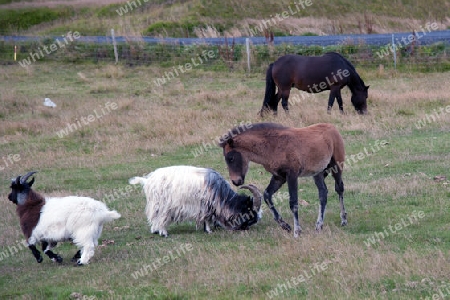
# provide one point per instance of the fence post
(247, 47)
(116, 55)
(394, 50)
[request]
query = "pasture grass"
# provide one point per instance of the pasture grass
(154, 127)
(207, 18)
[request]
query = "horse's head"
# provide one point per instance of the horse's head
(236, 161)
(359, 100)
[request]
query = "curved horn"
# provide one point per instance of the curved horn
(25, 178)
(16, 180)
(257, 197)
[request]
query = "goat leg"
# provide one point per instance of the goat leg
(47, 250)
(77, 256)
(36, 253)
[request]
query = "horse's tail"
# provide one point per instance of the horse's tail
(270, 90)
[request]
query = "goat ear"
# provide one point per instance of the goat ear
(31, 182)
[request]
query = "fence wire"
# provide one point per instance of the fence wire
(228, 56)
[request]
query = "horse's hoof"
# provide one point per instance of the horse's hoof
(297, 232)
(329, 110)
(39, 260)
(284, 225)
(344, 223)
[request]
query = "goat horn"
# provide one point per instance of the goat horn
(17, 180)
(25, 178)
(257, 197)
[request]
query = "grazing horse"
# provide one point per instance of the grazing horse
(288, 153)
(313, 74)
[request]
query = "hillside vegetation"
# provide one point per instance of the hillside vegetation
(218, 18)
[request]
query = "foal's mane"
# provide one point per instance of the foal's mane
(349, 65)
(238, 130)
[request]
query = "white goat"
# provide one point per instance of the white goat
(51, 220)
(183, 193)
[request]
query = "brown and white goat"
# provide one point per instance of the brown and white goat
(51, 220)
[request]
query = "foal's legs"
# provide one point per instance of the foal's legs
(319, 180)
(274, 185)
(292, 180)
(339, 188)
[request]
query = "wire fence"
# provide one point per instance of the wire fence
(227, 55)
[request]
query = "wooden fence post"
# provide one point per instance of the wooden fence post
(116, 55)
(247, 47)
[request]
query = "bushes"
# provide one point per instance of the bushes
(12, 20)
(172, 29)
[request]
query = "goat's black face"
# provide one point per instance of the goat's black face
(18, 188)
(243, 215)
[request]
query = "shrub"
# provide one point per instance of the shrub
(21, 19)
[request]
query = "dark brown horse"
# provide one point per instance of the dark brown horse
(314, 74)
(288, 153)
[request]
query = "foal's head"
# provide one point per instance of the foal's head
(236, 161)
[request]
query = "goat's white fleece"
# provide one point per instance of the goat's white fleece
(78, 218)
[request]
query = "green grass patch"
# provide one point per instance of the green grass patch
(13, 20)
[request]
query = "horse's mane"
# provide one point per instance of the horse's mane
(349, 64)
(264, 126)
(238, 130)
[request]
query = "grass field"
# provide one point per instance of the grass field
(212, 18)
(397, 242)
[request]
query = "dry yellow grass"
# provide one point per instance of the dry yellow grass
(189, 111)
(153, 125)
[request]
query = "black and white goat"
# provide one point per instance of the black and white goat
(186, 193)
(56, 219)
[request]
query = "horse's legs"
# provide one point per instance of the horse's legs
(339, 188)
(274, 185)
(331, 100)
(292, 180)
(285, 99)
(319, 180)
(339, 101)
(335, 93)
(277, 97)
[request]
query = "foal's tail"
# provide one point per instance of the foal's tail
(270, 90)
(339, 150)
